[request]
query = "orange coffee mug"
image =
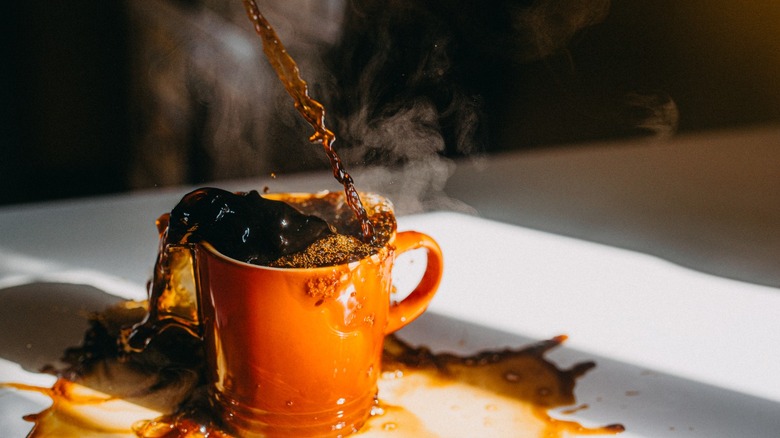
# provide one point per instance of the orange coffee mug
(297, 351)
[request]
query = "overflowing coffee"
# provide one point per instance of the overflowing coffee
(292, 231)
(291, 304)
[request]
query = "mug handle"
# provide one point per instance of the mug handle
(417, 301)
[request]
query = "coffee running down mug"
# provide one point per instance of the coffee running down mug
(297, 351)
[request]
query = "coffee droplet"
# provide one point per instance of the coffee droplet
(389, 426)
(511, 376)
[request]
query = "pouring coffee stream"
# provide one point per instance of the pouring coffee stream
(311, 110)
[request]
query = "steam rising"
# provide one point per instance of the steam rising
(410, 82)
(403, 82)
(547, 26)
(407, 147)
(657, 113)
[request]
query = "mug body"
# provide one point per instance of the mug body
(289, 351)
(293, 352)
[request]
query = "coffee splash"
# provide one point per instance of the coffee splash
(264, 231)
(287, 231)
(161, 392)
(243, 226)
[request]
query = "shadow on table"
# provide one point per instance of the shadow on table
(38, 321)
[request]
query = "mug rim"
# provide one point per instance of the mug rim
(210, 248)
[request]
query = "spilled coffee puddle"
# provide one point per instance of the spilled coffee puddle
(161, 392)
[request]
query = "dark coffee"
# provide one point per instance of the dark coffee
(243, 226)
(300, 231)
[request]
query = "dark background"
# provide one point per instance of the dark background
(66, 126)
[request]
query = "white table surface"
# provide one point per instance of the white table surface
(660, 257)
